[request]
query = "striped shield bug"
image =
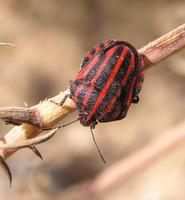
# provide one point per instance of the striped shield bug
(110, 79)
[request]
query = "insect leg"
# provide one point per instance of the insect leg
(61, 102)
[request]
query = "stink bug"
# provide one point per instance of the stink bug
(110, 79)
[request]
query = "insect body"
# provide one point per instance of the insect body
(110, 79)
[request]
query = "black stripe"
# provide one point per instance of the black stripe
(139, 78)
(116, 84)
(126, 89)
(92, 73)
(87, 80)
(80, 97)
(74, 85)
(117, 112)
(136, 54)
(114, 113)
(101, 81)
(108, 68)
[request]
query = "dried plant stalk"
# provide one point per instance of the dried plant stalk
(47, 114)
(164, 46)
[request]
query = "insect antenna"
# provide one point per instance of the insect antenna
(94, 140)
(97, 147)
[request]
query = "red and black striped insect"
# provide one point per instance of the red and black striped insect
(110, 79)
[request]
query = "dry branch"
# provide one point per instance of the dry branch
(48, 114)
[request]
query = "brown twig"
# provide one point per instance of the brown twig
(164, 46)
(48, 114)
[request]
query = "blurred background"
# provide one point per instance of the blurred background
(51, 38)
